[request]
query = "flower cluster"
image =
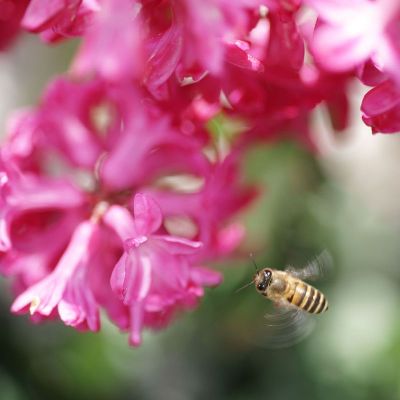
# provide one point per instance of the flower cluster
(95, 187)
(363, 36)
(115, 191)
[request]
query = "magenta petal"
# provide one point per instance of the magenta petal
(126, 164)
(177, 245)
(5, 242)
(286, 46)
(121, 221)
(337, 51)
(41, 298)
(337, 11)
(46, 294)
(10, 26)
(70, 314)
(32, 192)
(370, 75)
(235, 55)
(148, 217)
(118, 276)
(205, 276)
(381, 108)
(164, 59)
(78, 308)
(131, 277)
(381, 99)
(112, 45)
(230, 237)
(135, 336)
(39, 15)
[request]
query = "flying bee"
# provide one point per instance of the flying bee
(284, 288)
(294, 299)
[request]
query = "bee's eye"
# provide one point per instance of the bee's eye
(262, 286)
(266, 280)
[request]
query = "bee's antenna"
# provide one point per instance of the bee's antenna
(245, 286)
(254, 263)
(250, 283)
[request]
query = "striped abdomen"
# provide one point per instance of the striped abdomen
(307, 298)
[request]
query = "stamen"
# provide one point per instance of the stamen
(34, 305)
(99, 210)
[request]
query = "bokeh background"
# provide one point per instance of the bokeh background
(344, 198)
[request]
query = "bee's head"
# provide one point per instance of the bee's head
(262, 279)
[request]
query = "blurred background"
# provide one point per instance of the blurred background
(344, 199)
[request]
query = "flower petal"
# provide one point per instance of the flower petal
(205, 277)
(78, 308)
(136, 312)
(121, 221)
(164, 59)
(112, 45)
(147, 214)
(46, 294)
(131, 277)
(177, 245)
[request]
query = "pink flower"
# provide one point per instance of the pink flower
(112, 47)
(161, 150)
(64, 122)
(153, 277)
(37, 217)
(206, 25)
(350, 33)
(58, 19)
(221, 198)
(39, 201)
(381, 108)
(11, 12)
(278, 100)
(96, 213)
(285, 47)
(43, 217)
(66, 289)
(194, 41)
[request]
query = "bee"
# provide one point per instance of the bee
(286, 288)
(294, 301)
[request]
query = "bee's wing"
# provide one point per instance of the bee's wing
(318, 268)
(283, 327)
(286, 326)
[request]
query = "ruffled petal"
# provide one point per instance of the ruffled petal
(121, 221)
(43, 297)
(176, 245)
(205, 276)
(147, 214)
(131, 277)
